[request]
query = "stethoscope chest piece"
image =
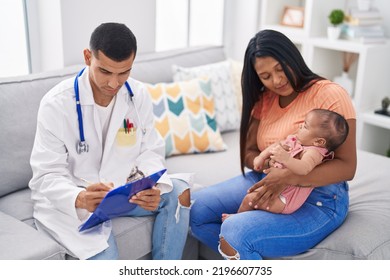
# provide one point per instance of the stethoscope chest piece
(82, 147)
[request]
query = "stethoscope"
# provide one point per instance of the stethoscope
(82, 146)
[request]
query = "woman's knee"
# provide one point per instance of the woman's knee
(227, 251)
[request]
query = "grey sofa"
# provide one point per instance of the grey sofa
(364, 235)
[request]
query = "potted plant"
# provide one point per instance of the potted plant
(336, 18)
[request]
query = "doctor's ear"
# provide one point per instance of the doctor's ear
(87, 56)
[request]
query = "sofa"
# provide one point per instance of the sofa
(364, 235)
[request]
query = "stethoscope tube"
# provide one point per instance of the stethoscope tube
(82, 145)
(131, 94)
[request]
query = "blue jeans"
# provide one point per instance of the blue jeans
(259, 234)
(169, 231)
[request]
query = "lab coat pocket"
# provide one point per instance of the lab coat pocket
(125, 138)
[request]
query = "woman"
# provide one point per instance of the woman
(278, 91)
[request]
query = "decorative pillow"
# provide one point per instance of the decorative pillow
(236, 68)
(227, 113)
(185, 117)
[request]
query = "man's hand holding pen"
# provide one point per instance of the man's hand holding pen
(93, 194)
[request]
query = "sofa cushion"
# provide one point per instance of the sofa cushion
(18, 205)
(133, 236)
(185, 117)
(223, 89)
(210, 168)
(20, 241)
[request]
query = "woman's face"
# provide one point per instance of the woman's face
(271, 74)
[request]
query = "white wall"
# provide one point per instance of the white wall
(241, 24)
(50, 30)
(63, 27)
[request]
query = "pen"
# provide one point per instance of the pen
(125, 125)
(128, 125)
(131, 128)
(86, 181)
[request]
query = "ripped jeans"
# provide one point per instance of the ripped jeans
(260, 234)
(170, 227)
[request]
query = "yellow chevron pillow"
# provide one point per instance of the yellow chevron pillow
(185, 117)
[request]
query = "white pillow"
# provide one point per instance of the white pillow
(236, 76)
(225, 99)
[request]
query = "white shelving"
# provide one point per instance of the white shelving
(370, 73)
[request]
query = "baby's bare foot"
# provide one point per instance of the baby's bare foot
(225, 216)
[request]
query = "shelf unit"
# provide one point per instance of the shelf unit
(370, 73)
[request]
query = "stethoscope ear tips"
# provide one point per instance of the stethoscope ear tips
(82, 147)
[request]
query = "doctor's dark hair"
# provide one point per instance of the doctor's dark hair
(115, 40)
(270, 43)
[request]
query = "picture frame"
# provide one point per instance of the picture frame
(293, 16)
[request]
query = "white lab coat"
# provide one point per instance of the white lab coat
(57, 167)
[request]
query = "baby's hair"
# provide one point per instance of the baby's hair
(334, 128)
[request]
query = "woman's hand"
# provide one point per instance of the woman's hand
(272, 186)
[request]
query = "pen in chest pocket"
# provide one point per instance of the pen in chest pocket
(128, 126)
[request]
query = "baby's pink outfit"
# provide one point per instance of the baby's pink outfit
(294, 196)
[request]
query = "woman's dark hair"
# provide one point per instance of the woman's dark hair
(115, 40)
(270, 43)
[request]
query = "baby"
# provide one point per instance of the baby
(322, 132)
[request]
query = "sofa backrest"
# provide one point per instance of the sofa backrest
(20, 98)
(19, 103)
(157, 67)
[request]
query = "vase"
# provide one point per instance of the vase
(334, 32)
(345, 82)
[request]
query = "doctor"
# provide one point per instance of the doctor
(96, 127)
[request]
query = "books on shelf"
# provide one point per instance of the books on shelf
(366, 39)
(364, 26)
(351, 20)
(370, 31)
(358, 17)
(356, 13)
(370, 40)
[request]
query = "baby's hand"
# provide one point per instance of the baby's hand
(258, 163)
(280, 154)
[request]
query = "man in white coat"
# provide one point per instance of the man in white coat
(96, 146)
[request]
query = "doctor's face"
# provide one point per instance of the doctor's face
(106, 75)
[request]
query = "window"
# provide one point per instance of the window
(13, 48)
(184, 23)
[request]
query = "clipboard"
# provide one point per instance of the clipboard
(116, 202)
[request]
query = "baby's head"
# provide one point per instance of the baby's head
(323, 128)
